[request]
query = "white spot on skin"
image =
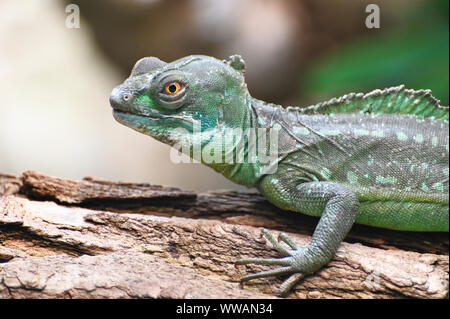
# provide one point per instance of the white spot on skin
(330, 132)
(301, 130)
(438, 186)
(378, 133)
(360, 132)
(325, 172)
(434, 141)
(401, 136)
(385, 179)
(418, 138)
(352, 178)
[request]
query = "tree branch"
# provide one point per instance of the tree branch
(141, 240)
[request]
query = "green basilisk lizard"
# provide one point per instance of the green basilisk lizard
(379, 159)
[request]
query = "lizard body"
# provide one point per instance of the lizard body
(379, 159)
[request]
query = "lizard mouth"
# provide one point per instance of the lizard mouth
(124, 117)
(123, 113)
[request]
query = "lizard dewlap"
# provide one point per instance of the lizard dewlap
(379, 159)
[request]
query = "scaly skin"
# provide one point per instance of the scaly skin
(379, 159)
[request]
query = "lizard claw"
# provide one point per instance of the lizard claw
(289, 263)
(288, 284)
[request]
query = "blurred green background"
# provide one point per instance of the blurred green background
(414, 52)
(55, 82)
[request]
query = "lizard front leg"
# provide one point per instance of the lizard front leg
(338, 206)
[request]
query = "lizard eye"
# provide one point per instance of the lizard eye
(172, 88)
(172, 91)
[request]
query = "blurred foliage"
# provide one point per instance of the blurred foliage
(415, 54)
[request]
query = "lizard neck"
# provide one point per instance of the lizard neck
(243, 161)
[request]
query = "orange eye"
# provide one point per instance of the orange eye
(172, 88)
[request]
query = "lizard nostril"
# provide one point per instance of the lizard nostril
(115, 98)
(118, 97)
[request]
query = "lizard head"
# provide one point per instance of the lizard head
(159, 98)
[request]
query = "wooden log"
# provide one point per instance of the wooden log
(128, 232)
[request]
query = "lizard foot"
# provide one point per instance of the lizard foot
(292, 263)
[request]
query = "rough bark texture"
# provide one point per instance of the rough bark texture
(99, 239)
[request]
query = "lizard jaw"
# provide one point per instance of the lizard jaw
(119, 114)
(138, 119)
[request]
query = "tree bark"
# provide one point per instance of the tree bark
(100, 239)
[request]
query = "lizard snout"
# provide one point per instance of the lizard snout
(118, 98)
